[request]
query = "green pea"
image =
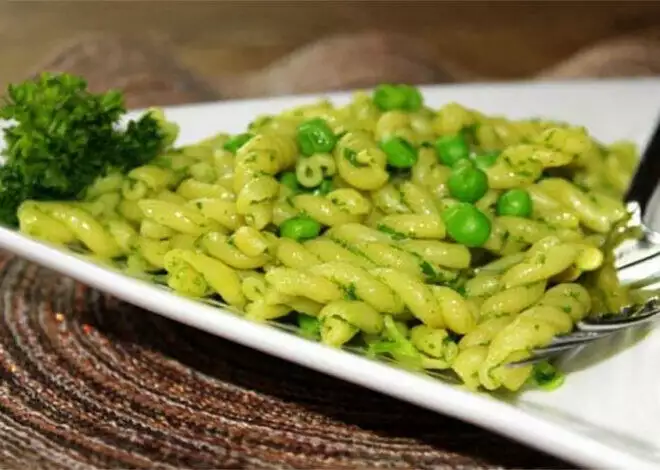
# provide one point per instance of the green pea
(466, 224)
(414, 100)
(300, 228)
(546, 376)
(324, 188)
(288, 179)
(388, 97)
(467, 183)
(515, 202)
(400, 154)
(308, 325)
(451, 149)
(237, 142)
(315, 136)
(486, 159)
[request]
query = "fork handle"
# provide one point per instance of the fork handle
(646, 176)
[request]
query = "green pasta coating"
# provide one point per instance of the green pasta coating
(441, 239)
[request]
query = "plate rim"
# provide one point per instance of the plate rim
(426, 87)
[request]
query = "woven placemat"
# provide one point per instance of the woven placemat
(91, 382)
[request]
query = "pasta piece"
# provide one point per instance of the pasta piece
(360, 162)
(219, 277)
(435, 343)
(341, 319)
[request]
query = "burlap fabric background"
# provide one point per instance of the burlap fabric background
(90, 382)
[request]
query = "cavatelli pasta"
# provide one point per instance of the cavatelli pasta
(360, 162)
(490, 238)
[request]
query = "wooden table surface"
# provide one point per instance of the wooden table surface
(484, 39)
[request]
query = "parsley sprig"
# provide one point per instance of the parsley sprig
(61, 137)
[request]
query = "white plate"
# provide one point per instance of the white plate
(607, 415)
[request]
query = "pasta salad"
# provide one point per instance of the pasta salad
(442, 239)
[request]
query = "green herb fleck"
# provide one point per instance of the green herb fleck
(236, 142)
(427, 269)
(402, 350)
(351, 156)
(391, 232)
(350, 293)
(261, 121)
(546, 376)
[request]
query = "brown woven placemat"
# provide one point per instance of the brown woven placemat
(91, 382)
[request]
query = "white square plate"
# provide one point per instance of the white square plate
(607, 414)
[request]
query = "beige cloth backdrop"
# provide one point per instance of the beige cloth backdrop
(87, 381)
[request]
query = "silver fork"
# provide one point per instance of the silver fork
(633, 261)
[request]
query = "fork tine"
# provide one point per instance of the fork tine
(621, 323)
(533, 359)
(577, 336)
(565, 346)
(636, 260)
(620, 326)
(588, 331)
(558, 345)
(635, 252)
